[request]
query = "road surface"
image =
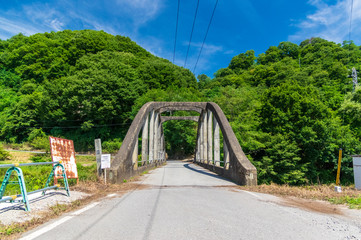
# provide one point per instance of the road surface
(184, 201)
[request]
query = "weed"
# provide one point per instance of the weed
(352, 202)
(58, 208)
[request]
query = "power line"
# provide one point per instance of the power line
(93, 126)
(190, 39)
(176, 31)
(350, 28)
(205, 37)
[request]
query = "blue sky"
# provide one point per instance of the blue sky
(237, 26)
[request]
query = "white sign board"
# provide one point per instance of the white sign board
(105, 161)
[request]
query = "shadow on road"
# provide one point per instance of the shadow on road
(205, 172)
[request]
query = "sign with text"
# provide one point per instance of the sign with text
(105, 161)
(63, 150)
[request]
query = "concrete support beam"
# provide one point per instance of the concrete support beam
(188, 118)
(135, 156)
(162, 147)
(145, 136)
(205, 138)
(156, 136)
(151, 137)
(217, 153)
(210, 137)
(159, 147)
(201, 139)
(225, 155)
(198, 153)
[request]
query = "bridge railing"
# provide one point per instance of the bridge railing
(236, 165)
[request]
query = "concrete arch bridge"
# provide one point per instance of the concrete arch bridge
(148, 124)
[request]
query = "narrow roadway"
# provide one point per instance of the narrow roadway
(184, 201)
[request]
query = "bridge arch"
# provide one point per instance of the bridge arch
(211, 121)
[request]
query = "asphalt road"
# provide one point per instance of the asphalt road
(184, 201)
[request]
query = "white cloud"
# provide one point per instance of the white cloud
(46, 16)
(141, 11)
(330, 22)
(208, 49)
(9, 28)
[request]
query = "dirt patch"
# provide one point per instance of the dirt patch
(20, 157)
(311, 205)
(319, 192)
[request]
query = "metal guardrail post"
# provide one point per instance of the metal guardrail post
(66, 186)
(21, 182)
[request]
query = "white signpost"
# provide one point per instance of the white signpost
(105, 163)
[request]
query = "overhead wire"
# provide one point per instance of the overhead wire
(176, 31)
(205, 37)
(350, 27)
(62, 127)
(190, 39)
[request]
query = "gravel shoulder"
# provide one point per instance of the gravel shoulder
(15, 212)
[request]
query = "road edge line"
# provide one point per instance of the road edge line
(57, 223)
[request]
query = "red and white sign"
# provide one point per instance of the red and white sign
(63, 150)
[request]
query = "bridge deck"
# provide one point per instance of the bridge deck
(184, 201)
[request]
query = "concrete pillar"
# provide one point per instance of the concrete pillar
(217, 156)
(159, 139)
(156, 137)
(135, 156)
(205, 138)
(145, 135)
(225, 155)
(151, 137)
(210, 137)
(201, 138)
(163, 144)
(198, 153)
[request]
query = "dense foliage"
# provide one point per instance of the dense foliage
(291, 107)
(77, 84)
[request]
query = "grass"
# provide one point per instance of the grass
(352, 202)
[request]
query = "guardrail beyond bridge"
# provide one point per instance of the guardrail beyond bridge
(149, 122)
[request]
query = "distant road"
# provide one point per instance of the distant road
(184, 201)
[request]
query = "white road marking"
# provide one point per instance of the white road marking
(253, 194)
(57, 223)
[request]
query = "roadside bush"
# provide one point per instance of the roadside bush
(41, 158)
(3, 154)
(41, 143)
(38, 140)
(111, 146)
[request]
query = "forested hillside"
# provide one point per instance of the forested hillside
(291, 107)
(77, 84)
